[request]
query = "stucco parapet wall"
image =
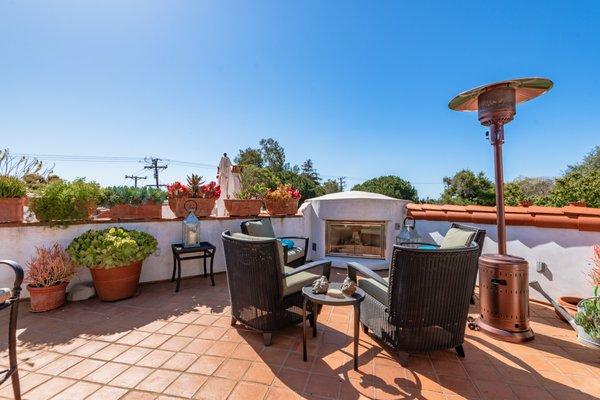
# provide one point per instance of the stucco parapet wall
(109, 220)
(570, 217)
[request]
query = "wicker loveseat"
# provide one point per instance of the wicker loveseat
(293, 255)
(424, 304)
(266, 295)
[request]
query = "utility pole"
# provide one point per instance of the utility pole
(154, 165)
(135, 178)
(342, 183)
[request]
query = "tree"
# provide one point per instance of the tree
(272, 154)
(310, 172)
(527, 189)
(392, 186)
(465, 188)
(590, 162)
(307, 187)
(577, 186)
(331, 186)
(249, 156)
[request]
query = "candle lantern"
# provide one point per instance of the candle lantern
(190, 227)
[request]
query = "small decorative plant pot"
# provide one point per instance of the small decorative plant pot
(569, 303)
(204, 207)
(142, 211)
(11, 209)
(243, 208)
(47, 298)
(289, 207)
(117, 283)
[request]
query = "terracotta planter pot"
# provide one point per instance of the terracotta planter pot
(204, 207)
(142, 211)
(289, 207)
(47, 298)
(117, 283)
(243, 208)
(569, 303)
(11, 209)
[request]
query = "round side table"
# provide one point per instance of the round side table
(324, 299)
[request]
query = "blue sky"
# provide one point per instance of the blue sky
(360, 87)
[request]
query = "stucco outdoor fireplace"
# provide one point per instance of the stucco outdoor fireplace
(355, 239)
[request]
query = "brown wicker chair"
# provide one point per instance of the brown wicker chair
(424, 304)
(265, 294)
(293, 256)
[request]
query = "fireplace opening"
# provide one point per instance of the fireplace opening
(355, 239)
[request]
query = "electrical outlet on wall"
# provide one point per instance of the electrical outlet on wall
(314, 246)
(540, 266)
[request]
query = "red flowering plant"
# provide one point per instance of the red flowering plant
(210, 190)
(177, 190)
(195, 189)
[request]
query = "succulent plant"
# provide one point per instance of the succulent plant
(111, 248)
(49, 267)
(132, 195)
(194, 184)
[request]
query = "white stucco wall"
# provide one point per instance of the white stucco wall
(565, 252)
(19, 243)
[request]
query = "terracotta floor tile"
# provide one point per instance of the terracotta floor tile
(492, 390)
(323, 386)
(293, 379)
(106, 373)
(248, 391)
(273, 356)
(90, 348)
(131, 377)
(78, 391)
(85, 367)
(109, 352)
(158, 380)
(198, 346)
(245, 352)
(28, 382)
(186, 385)
(449, 367)
(108, 393)
(171, 328)
(48, 389)
(191, 331)
(154, 340)
(155, 358)
(221, 349)
(133, 338)
(59, 365)
(180, 361)
(233, 369)
(212, 333)
(281, 393)
(132, 355)
(206, 365)
(39, 361)
(206, 319)
(215, 389)
(260, 373)
(454, 385)
(137, 395)
(531, 392)
(175, 343)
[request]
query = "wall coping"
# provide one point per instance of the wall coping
(140, 220)
(569, 217)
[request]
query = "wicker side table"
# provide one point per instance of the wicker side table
(324, 299)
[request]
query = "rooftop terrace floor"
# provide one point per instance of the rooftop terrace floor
(166, 345)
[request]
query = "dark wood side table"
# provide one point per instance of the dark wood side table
(202, 251)
(324, 299)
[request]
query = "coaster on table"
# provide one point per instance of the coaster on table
(335, 293)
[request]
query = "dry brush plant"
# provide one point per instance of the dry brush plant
(49, 267)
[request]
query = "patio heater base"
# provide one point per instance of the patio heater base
(501, 334)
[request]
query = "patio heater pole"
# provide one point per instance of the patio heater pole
(503, 279)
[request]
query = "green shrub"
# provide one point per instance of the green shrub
(589, 317)
(392, 186)
(65, 201)
(11, 187)
(111, 248)
(132, 195)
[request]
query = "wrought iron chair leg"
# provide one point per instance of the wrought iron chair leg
(460, 351)
(267, 337)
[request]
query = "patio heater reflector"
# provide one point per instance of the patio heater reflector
(503, 279)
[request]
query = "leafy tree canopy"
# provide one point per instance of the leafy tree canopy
(392, 186)
(466, 188)
(249, 156)
(272, 154)
(331, 186)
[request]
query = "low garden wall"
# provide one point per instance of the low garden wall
(560, 239)
(18, 243)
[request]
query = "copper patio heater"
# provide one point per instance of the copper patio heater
(503, 279)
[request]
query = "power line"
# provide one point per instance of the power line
(136, 178)
(154, 165)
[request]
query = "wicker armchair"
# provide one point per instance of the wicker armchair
(266, 295)
(293, 256)
(424, 304)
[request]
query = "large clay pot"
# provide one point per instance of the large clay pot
(142, 211)
(11, 209)
(47, 298)
(203, 207)
(243, 208)
(117, 283)
(569, 303)
(289, 207)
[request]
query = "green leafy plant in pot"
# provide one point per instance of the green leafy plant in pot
(114, 257)
(588, 310)
(128, 202)
(248, 201)
(48, 275)
(12, 198)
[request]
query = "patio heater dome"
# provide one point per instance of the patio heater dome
(503, 279)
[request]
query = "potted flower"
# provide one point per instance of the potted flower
(48, 275)
(283, 200)
(114, 257)
(588, 310)
(12, 198)
(196, 195)
(247, 202)
(127, 202)
(62, 201)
